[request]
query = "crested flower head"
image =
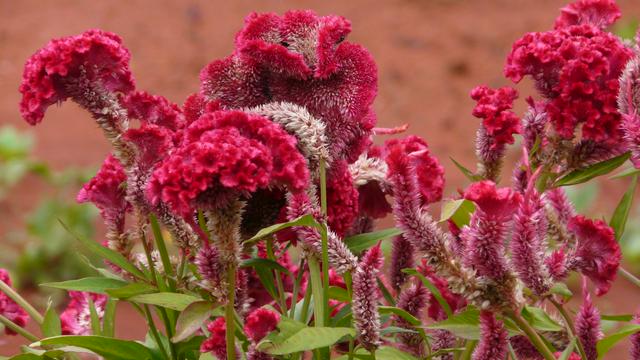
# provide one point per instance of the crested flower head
(260, 323)
(151, 143)
(576, 69)
(496, 202)
(493, 338)
(154, 109)
(107, 192)
(216, 343)
(76, 318)
(494, 108)
(50, 75)
(598, 13)
(223, 152)
(9, 308)
(365, 298)
(597, 252)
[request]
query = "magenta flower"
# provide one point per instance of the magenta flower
(413, 300)
(154, 109)
(402, 257)
(365, 298)
(493, 338)
(64, 67)
(260, 323)
(494, 108)
(9, 308)
(599, 13)
(107, 192)
(216, 342)
(76, 318)
(211, 269)
(455, 301)
(485, 235)
(587, 325)
(342, 199)
(559, 202)
(628, 102)
(597, 254)
(223, 152)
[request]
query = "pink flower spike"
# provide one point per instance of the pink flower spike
(599, 13)
(54, 72)
(493, 338)
(587, 324)
(260, 323)
(76, 318)
(365, 298)
(597, 253)
(635, 339)
(9, 308)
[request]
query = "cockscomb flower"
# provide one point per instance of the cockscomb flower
(226, 152)
(587, 325)
(342, 199)
(493, 338)
(154, 109)
(576, 69)
(260, 323)
(485, 235)
(9, 308)
(369, 175)
(76, 318)
(216, 342)
(64, 67)
(628, 102)
(365, 298)
(599, 13)
(494, 108)
(597, 254)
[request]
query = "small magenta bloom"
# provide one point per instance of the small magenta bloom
(597, 253)
(9, 308)
(493, 338)
(365, 298)
(587, 325)
(599, 13)
(260, 323)
(494, 108)
(76, 318)
(216, 342)
(58, 71)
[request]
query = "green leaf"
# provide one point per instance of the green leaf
(107, 254)
(307, 338)
(130, 290)
(561, 289)
(383, 353)
(389, 330)
(191, 319)
(305, 220)
(585, 174)
(261, 263)
(338, 293)
(268, 281)
(468, 173)
(568, 351)
(432, 288)
(51, 323)
(168, 300)
(401, 313)
(604, 345)
(359, 243)
(96, 328)
(465, 324)
(620, 318)
(107, 347)
(621, 214)
(626, 172)
(386, 294)
(459, 211)
(109, 318)
(90, 284)
(539, 319)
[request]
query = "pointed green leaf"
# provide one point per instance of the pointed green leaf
(585, 174)
(621, 214)
(561, 289)
(191, 319)
(359, 243)
(468, 173)
(620, 318)
(539, 319)
(459, 211)
(626, 172)
(107, 347)
(90, 284)
(51, 323)
(264, 264)
(173, 301)
(96, 329)
(386, 294)
(465, 324)
(109, 318)
(568, 351)
(305, 220)
(130, 290)
(307, 338)
(604, 345)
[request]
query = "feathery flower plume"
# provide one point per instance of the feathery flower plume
(599, 13)
(524, 349)
(365, 298)
(369, 174)
(443, 339)
(628, 103)
(76, 318)
(587, 324)
(493, 338)
(9, 308)
(402, 257)
(455, 301)
(211, 269)
(413, 300)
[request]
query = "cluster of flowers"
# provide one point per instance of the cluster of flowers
(293, 101)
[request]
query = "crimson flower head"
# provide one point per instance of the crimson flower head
(597, 253)
(154, 109)
(342, 199)
(225, 152)
(260, 323)
(9, 308)
(599, 13)
(107, 192)
(76, 318)
(52, 74)
(216, 343)
(495, 202)
(494, 108)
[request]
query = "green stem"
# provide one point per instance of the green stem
(325, 241)
(229, 315)
(629, 276)
(305, 304)
(168, 326)
(17, 329)
(318, 294)
(11, 293)
(570, 327)
(468, 350)
(154, 332)
(279, 285)
(296, 289)
(531, 334)
(512, 353)
(162, 249)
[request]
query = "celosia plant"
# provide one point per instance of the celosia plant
(205, 203)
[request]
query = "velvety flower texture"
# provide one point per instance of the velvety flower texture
(107, 192)
(628, 102)
(154, 109)
(223, 152)
(342, 199)
(494, 108)
(216, 342)
(260, 323)
(365, 298)
(599, 13)
(597, 253)
(76, 318)
(576, 69)
(94, 56)
(493, 338)
(9, 308)
(413, 300)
